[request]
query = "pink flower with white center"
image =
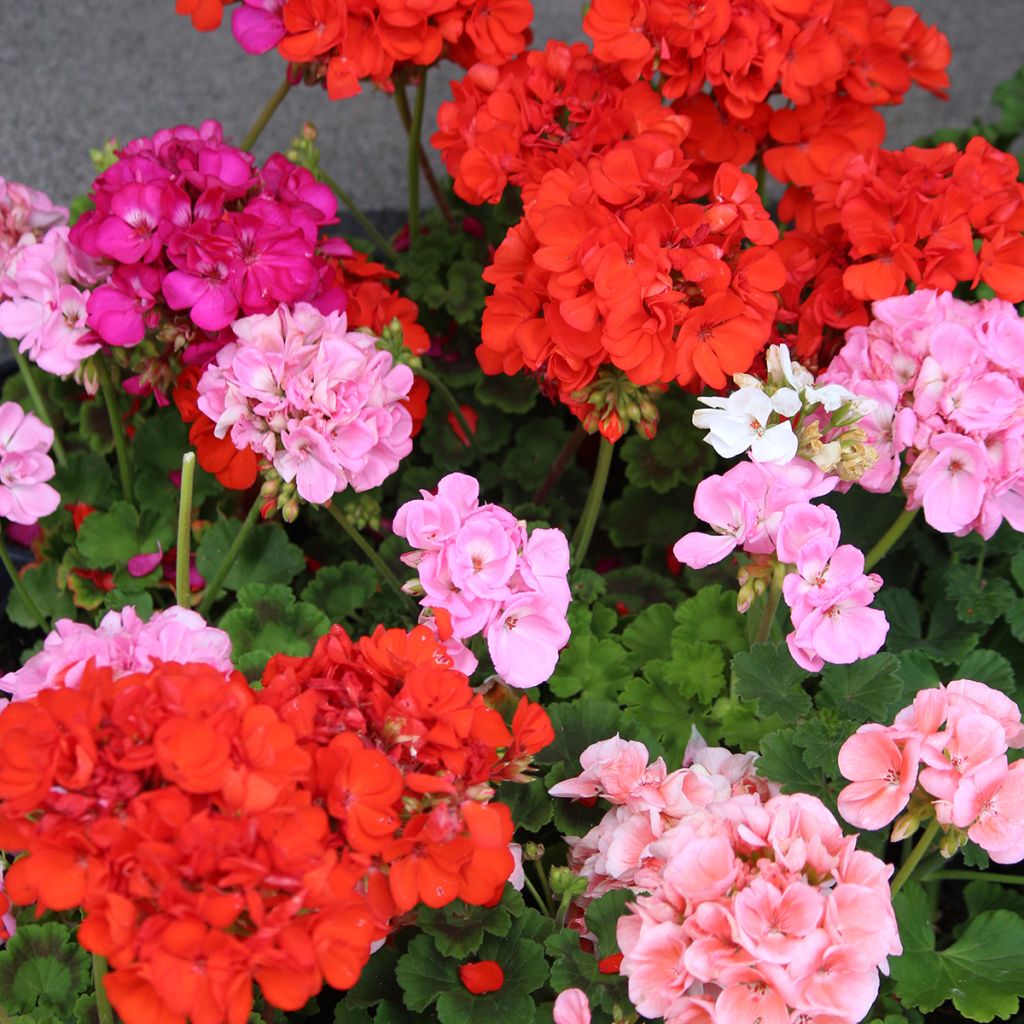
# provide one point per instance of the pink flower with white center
(657, 975)
(969, 743)
(750, 996)
(125, 643)
(723, 506)
(950, 484)
(883, 773)
(615, 768)
(25, 466)
(525, 639)
(841, 632)
(773, 923)
(482, 559)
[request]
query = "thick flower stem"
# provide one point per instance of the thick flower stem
(266, 114)
(20, 587)
(976, 876)
(919, 850)
(104, 1011)
(116, 427)
(560, 464)
(449, 399)
(38, 401)
(764, 627)
(213, 587)
(428, 172)
(367, 549)
(414, 120)
(367, 225)
(585, 529)
(889, 538)
(182, 593)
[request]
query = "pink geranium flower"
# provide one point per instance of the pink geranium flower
(25, 466)
(571, 1007)
(883, 773)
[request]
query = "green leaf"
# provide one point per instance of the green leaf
(1017, 568)
(783, 760)
(516, 394)
(43, 967)
(341, 591)
(991, 668)
(711, 615)
(903, 612)
(649, 636)
(424, 974)
(87, 479)
(696, 667)
(458, 929)
(870, 689)
(977, 601)
(597, 668)
(602, 917)
(529, 803)
(41, 583)
(267, 621)
(634, 520)
(949, 640)
(676, 454)
(376, 981)
(1014, 615)
(267, 556)
(768, 674)
(981, 896)
(577, 724)
(982, 972)
(110, 538)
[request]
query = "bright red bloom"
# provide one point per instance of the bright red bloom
(482, 976)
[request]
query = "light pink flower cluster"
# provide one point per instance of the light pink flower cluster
(481, 572)
(25, 216)
(319, 402)
(764, 509)
(125, 643)
(945, 754)
(948, 380)
(828, 593)
(25, 466)
(755, 906)
(44, 282)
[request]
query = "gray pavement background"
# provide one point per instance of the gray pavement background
(75, 72)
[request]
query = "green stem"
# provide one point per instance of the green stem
(886, 541)
(428, 172)
(414, 120)
(266, 114)
(919, 850)
(976, 876)
(20, 587)
(104, 1011)
(213, 587)
(367, 549)
(537, 898)
(38, 401)
(449, 399)
(116, 426)
(585, 528)
(542, 877)
(367, 225)
(764, 627)
(558, 467)
(182, 593)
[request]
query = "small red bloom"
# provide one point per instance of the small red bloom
(610, 964)
(482, 977)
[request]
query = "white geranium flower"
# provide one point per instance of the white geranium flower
(739, 423)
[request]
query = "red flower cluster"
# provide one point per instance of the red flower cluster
(422, 818)
(875, 223)
(832, 60)
(612, 266)
(266, 838)
(543, 110)
(343, 42)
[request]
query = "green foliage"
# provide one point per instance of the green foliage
(602, 918)
(982, 971)
(43, 971)
(458, 929)
(867, 690)
(529, 803)
(268, 620)
(649, 636)
(110, 538)
(767, 674)
(267, 556)
(711, 615)
(41, 583)
(595, 667)
(341, 591)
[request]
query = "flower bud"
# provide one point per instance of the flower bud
(290, 510)
(533, 851)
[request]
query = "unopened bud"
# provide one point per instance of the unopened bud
(481, 792)
(904, 827)
(533, 851)
(290, 510)
(270, 488)
(951, 842)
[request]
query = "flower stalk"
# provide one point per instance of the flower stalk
(104, 1011)
(764, 626)
(385, 573)
(438, 384)
(266, 114)
(116, 427)
(414, 120)
(916, 854)
(213, 587)
(585, 528)
(364, 222)
(182, 592)
(889, 538)
(38, 401)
